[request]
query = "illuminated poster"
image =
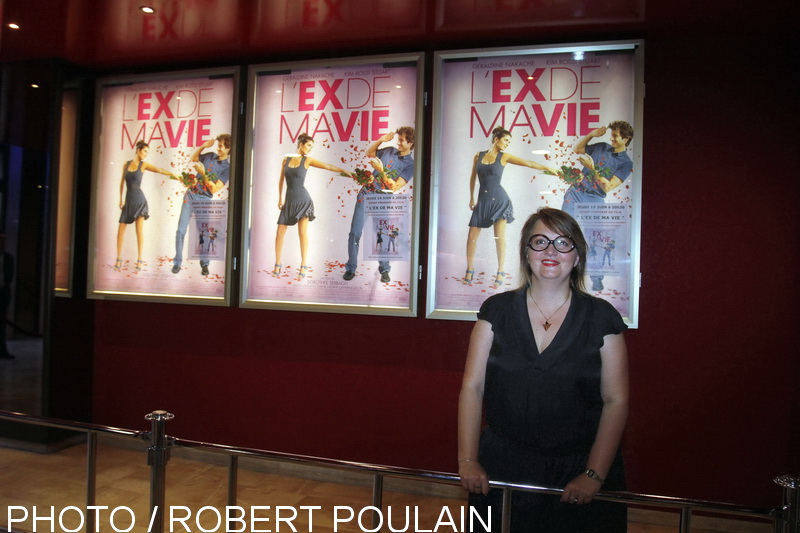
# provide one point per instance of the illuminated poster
(333, 175)
(161, 186)
(521, 129)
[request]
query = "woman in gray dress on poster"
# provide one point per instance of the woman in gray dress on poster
(297, 207)
(493, 208)
(134, 208)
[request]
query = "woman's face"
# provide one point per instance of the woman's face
(142, 153)
(550, 264)
(306, 147)
(503, 142)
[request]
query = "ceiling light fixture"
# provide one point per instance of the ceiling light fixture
(147, 9)
(13, 25)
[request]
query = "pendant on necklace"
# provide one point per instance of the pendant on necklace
(546, 325)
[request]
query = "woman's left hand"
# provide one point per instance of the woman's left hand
(580, 490)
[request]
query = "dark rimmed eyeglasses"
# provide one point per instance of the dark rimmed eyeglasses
(562, 243)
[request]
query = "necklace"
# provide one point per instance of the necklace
(546, 324)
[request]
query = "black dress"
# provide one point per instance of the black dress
(298, 203)
(493, 201)
(135, 205)
(542, 414)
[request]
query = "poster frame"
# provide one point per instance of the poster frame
(64, 197)
(252, 114)
(636, 46)
(234, 72)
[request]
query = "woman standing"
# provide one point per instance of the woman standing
(548, 363)
(134, 208)
(297, 207)
(493, 208)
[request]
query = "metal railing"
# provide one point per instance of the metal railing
(784, 517)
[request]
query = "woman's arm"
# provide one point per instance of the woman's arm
(470, 409)
(158, 170)
(514, 160)
(311, 162)
(473, 177)
(614, 391)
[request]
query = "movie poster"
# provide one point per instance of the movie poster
(161, 187)
(333, 178)
(557, 112)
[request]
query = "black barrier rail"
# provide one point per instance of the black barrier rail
(784, 517)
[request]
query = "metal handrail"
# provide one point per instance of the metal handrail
(785, 518)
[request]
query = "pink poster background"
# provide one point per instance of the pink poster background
(345, 109)
(174, 116)
(546, 116)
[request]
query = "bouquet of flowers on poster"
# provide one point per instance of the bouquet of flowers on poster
(160, 211)
(332, 175)
(525, 124)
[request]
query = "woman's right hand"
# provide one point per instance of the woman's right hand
(280, 204)
(121, 204)
(473, 476)
(471, 204)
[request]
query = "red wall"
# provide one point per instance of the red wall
(713, 365)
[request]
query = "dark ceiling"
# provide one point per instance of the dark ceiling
(115, 33)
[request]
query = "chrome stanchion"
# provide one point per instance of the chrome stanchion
(791, 502)
(686, 519)
(377, 499)
(233, 494)
(157, 458)
(505, 517)
(91, 479)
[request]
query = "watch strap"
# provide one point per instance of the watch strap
(594, 475)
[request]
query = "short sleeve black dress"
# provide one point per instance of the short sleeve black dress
(542, 414)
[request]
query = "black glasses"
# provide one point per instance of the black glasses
(562, 243)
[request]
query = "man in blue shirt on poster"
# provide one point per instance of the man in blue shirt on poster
(213, 174)
(605, 167)
(394, 168)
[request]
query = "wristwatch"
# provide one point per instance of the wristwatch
(594, 475)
